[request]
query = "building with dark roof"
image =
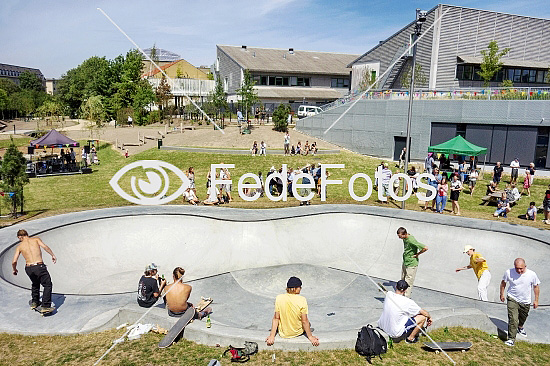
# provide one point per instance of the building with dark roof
(12, 72)
(450, 52)
(510, 122)
(285, 75)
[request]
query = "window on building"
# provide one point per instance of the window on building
(225, 84)
(461, 129)
(532, 76)
(476, 71)
(263, 80)
(339, 83)
(540, 76)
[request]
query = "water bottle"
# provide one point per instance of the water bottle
(208, 322)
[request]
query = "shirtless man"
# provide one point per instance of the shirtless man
(177, 294)
(35, 268)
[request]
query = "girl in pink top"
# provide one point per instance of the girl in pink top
(441, 198)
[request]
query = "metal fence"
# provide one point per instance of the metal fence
(454, 94)
(191, 87)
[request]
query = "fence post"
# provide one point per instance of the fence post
(528, 93)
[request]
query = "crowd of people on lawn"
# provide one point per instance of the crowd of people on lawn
(221, 194)
(450, 182)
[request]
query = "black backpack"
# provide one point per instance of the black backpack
(370, 343)
(242, 355)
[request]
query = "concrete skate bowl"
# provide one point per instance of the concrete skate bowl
(108, 255)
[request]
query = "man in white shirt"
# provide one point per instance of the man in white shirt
(401, 315)
(521, 280)
(385, 176)
(515, 169)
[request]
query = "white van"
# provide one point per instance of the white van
(308, 110)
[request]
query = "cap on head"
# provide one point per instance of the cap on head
(151, 267)
(294, 282)
(467, 247)
(402, 285)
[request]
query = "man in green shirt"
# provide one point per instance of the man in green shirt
(412, 249)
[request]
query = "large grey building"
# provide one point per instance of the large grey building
(450, 52)
(12, 72)
(510, 123)
(285, 75)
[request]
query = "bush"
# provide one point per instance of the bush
(280, 117)
(154, 117)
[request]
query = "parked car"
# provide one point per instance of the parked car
(308, 110)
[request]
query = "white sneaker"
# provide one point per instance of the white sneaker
(521, 331)
(509, 342)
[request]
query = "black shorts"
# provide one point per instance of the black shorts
(454, 195)
(496, 178)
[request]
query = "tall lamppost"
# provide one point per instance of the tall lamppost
(420, 19)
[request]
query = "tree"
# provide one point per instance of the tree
(14, 177)
(94, 111)
(218, 97)
(248, 96)
(3, 101)
(280, 117)
(507, 83)
(491, 63)
(143, 97)
(164, 95)
(548, 76)
(30, 81)
(419, 76)
(50, 108)
(368, 78)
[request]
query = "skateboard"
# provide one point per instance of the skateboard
(38, 309)
(448, 346)
(205, 301)
(183, 321)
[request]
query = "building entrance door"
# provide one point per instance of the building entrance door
(399, 142)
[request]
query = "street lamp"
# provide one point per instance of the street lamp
(420, 19)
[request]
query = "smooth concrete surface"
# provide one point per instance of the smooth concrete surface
(242, 258)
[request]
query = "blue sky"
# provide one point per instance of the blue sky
(58, 35)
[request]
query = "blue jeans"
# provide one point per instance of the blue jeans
(440, 203)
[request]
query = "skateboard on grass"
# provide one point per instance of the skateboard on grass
(448, 346)
(183, 321)
(38, 309)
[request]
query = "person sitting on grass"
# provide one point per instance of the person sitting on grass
(290, 319)
(190, 196)
(503, 207)
(177, 296)
(531, 213)
(401, 316)
(491, 188)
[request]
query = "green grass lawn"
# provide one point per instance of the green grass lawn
(86, 349)
(60, 194)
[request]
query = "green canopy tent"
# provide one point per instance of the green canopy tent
(460, 146)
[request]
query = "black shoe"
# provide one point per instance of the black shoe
(407, 340)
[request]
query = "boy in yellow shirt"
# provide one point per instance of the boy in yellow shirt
(290, 318)
(481, 269)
